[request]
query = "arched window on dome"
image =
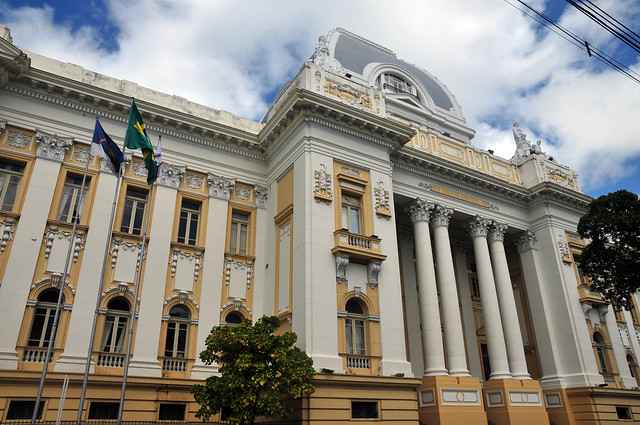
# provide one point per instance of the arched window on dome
(115, 325)
(393, 83)
(42, 323)
(355, 327)
(177, 332)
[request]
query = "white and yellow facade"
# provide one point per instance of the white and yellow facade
(427, 279)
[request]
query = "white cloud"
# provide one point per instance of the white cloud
(230, 54)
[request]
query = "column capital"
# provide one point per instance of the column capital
(496, 231)
(52, 146)
(420, 210)
(479, 227)
(170, 175)
(441, 216)
(262, 195)
(527, 241)
(220, 187)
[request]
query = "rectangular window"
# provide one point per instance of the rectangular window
(239, 243)
(624, 412)
(176, 341)
(40, 334)
(364, 409)
(115, 329)
(10, 176)
(104, 410)
(23, 409)
(354, 333)
(72, 199)
(171, 412)
(189, 218)
(135, 203)
(351, 213)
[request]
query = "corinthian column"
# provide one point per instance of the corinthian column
(433, 351)
(478, 229)
(454, 337)
(512, 333)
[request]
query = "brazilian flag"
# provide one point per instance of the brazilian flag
(137, 138)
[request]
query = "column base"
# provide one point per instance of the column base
(8, 361)
(145, 368)
(72, 364)
(515, 402)
(445, 400)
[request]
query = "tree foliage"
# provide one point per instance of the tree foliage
(259, 372)
(612, 258)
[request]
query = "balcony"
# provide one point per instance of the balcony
(361, 247)
(35, 355)
(111, 360)
(358, 362)
(171, 364)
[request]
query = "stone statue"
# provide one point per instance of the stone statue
(523, 146)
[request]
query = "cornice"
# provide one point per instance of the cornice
(548, 191)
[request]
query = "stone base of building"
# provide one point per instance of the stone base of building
(451, 400)
(515, 402)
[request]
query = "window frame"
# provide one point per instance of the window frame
(184, 411)
(351, 321)
(78, 202)
(367, 418)
(92, 403)
(188, 237)
(48, 321)
(130, 228)
(235, 243)
(9, 174)
(25, 400)
(178, 323)
(348, 208)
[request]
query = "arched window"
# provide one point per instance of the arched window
(233, 318)
(393, 83)
(601, 352)
(177, 330)
(355, 325)
(115, 325)
(42, 323)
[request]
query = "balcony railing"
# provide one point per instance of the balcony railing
(354, 244)
(358, 362)
(111, 359)
(35, 355)
(174, 365)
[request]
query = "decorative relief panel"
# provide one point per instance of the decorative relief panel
(125, 259)
(561, 175)
(322, 184)
(8, 225)
(381, 196)
(284, 265)
(347, 93)
(81, 153)
(170, 175)
(51, 146)
(460, 396)
(220, 187)
(194, 181)
(139, 169)
(624, 335)
(18, 138)
(242, 192)
(565, 251)
(185, 267)
(57, 242)
(524, 398)
(238, 277)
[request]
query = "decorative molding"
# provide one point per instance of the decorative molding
(463, 196)
(18, 139)
(51, 146)
(118, 245)
(342, 261)
(170, 175)
(348, 94)
(262, 196)
(139, 169)
(565, 251)
(220, 187)
(54, 232)
(441, 216)
(322, 184)
(373, 271)
(194, 181)
(8, 228)
(381, 196)
(496, 232)
(230, 263)
(527, 241)
(82, 154)
(420, 210)
(479, 227)
(180, 253)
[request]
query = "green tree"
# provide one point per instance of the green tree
(260, 372)
(612, 257)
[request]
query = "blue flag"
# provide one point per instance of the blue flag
(104, 147)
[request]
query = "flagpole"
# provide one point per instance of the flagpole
(134, 313)
(87, 368)
(56, 316)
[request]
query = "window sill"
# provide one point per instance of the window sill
(64, 224)
(188, 247)
(237, 257)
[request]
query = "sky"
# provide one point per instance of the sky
(500, 65)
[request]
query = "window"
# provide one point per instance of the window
(486, 364)
(104, 410)
(171, 412)
(177, 329)
(233, 318)
(364, 409)
(601, 353)
(72, 199)
(135, 203)
(42, 324)
(10, 176)
(239, 233)
(189, 217)
(115, 325)
(624, 412)
(23, 409)
(351, 213)
(392, 83)
(355, 327)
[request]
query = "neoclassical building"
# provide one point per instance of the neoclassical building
(429, 280)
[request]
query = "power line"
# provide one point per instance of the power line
(605, 23)
(623, 27)
(574, 39)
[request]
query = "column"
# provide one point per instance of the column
(617, 345)
(145, 355)
(478, 229)
(220, 189)
(75, 351)
(433, 350)
(452, 320)
(504, 287)
(27, 240)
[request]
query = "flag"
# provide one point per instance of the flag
(104, 147)
(137, 138)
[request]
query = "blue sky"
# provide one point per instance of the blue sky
(501, 66)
